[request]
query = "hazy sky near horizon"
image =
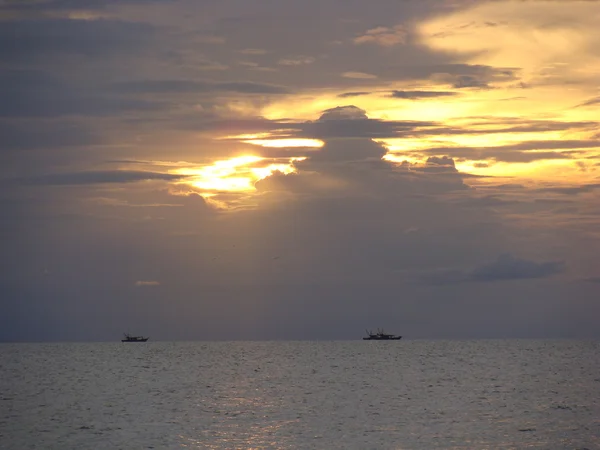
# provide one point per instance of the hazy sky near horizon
(236, 169)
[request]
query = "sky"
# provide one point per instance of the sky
(268, 169)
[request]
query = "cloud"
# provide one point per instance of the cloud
(511, 125)
(508, 267)
(468, 81)
(541, 126)
(54, 5)
(522, 152)
(546, 41)
(349, 112)
(338, 122)
(22, 41)
(98, 177)
(35, 93)
(457, 75)
(297, 61)
(488, 201)
(592, 280)
(527, 157)
(18, 135)
(191, 86)
(346, 151)
(253, 51)
(441, 162)
(505, 268)
(142, 82)
(350, 163)
(570, 190)
(142, 283)
(359, 75)
(414, 95)
(463, 76)
(590, 102)
(548, 144)
(384, 36)
(351, 122)
(353, 94)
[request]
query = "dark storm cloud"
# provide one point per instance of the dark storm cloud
(341, 181)
(341, 150)
(35, 93)
(352, 122)
(189, 86)
(98, 177)
(505, 268)
(351, 164)
(414, 95)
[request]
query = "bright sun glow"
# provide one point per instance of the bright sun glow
(232, 175)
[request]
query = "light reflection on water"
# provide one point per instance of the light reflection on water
(289, 395)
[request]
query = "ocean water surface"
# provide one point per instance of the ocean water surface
(484, 394)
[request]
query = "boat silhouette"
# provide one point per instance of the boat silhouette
(129, 338)
(381, 335)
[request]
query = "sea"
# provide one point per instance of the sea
(409, 394)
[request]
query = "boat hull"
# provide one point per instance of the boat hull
(395, 338)
(134, 340)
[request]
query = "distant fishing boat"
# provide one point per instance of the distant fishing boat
(381, 336)
(129, 338)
